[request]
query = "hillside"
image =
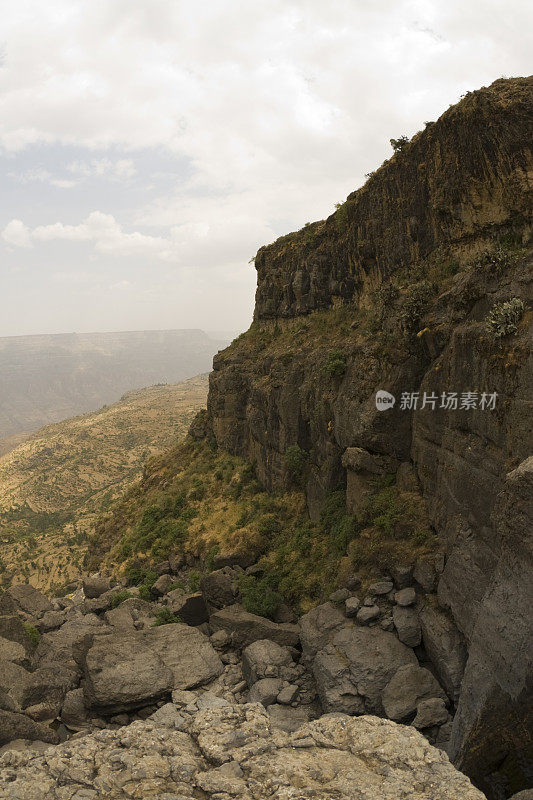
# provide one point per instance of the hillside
(45, 379)
(419, 285)
(55, 482)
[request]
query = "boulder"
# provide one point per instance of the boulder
(220, 588)
(368, 614)
(19, 726)
(60, 646)
(96, 585)
(12, 628)
(402, 576)
(239, 752)
(162, 585)
(380, 588)
(97, 605)
(46, 688)
(407, 625)
(244, 560)
(405, 597)
(445, 646)
(339, 596)
(74, 713)
(126, 670)
(190, 608)
(431, 712)
(50, 621)
(408, 686)
(13, 651)
(261, 656)
(265, 691)
(351, 606)
(425, 575)
(289, 719)
(288, 694)
(352, 670)
(317, 627)
(29, 599)
(133, 613)
(246, 628)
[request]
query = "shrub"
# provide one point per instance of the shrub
(335, 366)
(258, 596)
(415, 303)
(165, 616)
(504, 317)
(119, 597)
(32, 633)
(296, 463)
(399, 144)
(194, 580)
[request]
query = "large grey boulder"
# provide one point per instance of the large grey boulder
(352, 670)
(60, 646)
(126, 670)
(408, 686)
(407, 625)
(133, 614)
(19, 726)
(265, 691)
(317, 627)
(445, 646)
(239, 752)
(246, 628)
(190, 608)
(29, 599)
(262, 656)
(220, 588)
(95, 585)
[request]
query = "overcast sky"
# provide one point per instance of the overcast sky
(149, 147)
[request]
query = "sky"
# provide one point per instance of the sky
(148, 148)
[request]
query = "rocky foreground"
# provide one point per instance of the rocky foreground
(99, 701)
(227, 751)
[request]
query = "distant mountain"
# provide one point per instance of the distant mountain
(44, 379)
(54, 483)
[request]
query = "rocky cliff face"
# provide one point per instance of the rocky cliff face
(406, 288)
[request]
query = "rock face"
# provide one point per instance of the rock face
(458, 190)
(233, 751)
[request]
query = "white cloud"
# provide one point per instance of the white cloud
(118, 169)
(16, 234)
(41, 176)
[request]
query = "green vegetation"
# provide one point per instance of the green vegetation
(416, 302)
(165, 616)
(119, 597)
(335, 366)
(503, 319)
(32, 633)
(258, 596)
(296, 461)
(399, 144)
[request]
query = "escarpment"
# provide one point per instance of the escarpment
(419, 285)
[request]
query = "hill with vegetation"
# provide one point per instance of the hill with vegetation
(54, 484)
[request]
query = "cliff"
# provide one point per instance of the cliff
(420, 283)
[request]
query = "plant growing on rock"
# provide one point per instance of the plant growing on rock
(258, 596)
(504, 318)
(165, 616)
(335, 366)
(32, 633)
(399, 144)
(296, 462)
(415, 303)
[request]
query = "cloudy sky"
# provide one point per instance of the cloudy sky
(149, 147)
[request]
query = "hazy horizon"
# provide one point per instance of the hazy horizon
(147, 151)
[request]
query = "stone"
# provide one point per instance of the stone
(51, 620)
(445, 646)
(339, 596)
(12, 628)
(352, 582)
(351, 606)
(169, 716)
(220, 639)
(402, 576)
(425, 575)
(19, 726)
(162, 585)
(407, 625)
(246, 628)
(317, 627)
(74, 713)
(132, 613)
(408, 686)
(352, 670)
(29, 599)
(405, 597)
(284, 613)
(380, 588)
(262, 654)
(176, 562)
(163, 568)
(288, 694)
(219, 588)
(236, 751)
(406, 480)
(13, 651)
(95, 585)
(244, 560)
(126, 670)
(60, 646)
(430, 712)
(190, 608)
(368, 614)
(265, 691)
